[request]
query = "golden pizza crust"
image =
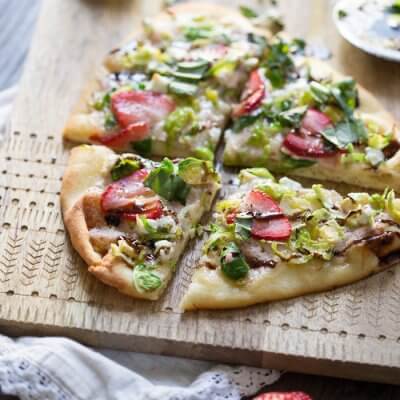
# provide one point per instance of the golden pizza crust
(209, 288)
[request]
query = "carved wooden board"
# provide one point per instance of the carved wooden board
(44, 287)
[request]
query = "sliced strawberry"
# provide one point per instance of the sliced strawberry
(309, 146)
(136, 106)
(230, 217)
(120, 139)
(130, 197)
(253, 95)
(152, 210)
(283, 396)
(278, 228)
(315, 121)
(260, 203)
(269, 222)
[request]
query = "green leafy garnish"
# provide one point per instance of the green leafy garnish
(124, 167)
(200, 32)
(145, 279)
(288, 163)
(195, 172)
(154, 231)
(103, 102)
(260, 172)
(182, 88)
(109, 121)
(247, 12)
(345, 133)
(166, 182)
(183, 118)
(233, 265)
(293, 117)
(204, 153)
(243, 228)
(143, 147)
(278, 64)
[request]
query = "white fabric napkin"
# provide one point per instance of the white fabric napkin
(61, 369)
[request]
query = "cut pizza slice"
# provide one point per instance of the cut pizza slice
(130, 218)
(169, 90)
(300, 117)
(274, 240)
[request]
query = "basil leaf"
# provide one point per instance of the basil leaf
(109, 121)
(247, 12)
(345, 133)
(233, 265)
(288, 163)
(144, 279)
(165, 181)
(199, 67)
(346, 95)
(245, 121)
(243, 227)
(124, 167)
(143, 147)
(292, 118)
(182, 88)
(194, 33)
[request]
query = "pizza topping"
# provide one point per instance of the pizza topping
(130, 198)
(253, 95)
(283, 396)
(120, 139)
(165, 181)
(124, 167)
(145, 279)
(233, 265)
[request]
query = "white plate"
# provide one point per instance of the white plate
(356, 24)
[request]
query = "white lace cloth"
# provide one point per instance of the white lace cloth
(61, 369)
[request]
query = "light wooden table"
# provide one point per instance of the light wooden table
(17, 20)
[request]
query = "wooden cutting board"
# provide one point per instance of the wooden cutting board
(44, 287)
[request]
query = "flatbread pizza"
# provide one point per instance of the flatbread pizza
(130, 218)
(275, 239)
(168, 90)
(300, 117)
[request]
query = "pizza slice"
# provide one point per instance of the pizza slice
(274, 240)
(300, 117)
(130, 218)
(169, 90)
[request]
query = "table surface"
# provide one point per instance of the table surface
(17, 21)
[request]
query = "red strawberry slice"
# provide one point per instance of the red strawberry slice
(230, 217)
(315, 121)
(260, 203)
(136, 106)
(307, 141)
(272, 227)
(120, 139)
(283, 396)
(123, 195)
(253, 95)
(307, 146)
(278, 228)
(152, 210)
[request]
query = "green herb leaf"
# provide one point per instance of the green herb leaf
(124, 167)
(165, 181)
(109, 121)
(195, 172)
(248, 12)
(288, 163)
(243, 228)
(143, 147)
(144, 279)
(233, 264)
(182, 88)
(345, 133)
(292, 118)
(201, 32)
(342, 14)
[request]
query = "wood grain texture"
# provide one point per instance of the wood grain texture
(44, 286)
